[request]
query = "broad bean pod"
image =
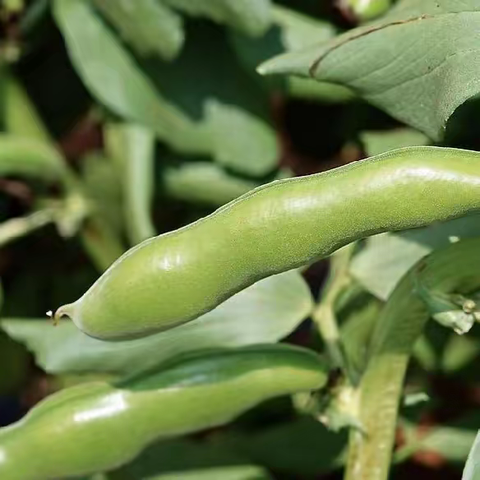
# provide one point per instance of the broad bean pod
(97, 426)
(173, 278)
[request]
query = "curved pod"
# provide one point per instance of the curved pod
(176, 277)
(97, 426)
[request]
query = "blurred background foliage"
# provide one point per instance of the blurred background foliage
(135, 118)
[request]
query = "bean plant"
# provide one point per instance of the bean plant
(239, 239)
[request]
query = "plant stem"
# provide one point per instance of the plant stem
(324, 314)
(454, 269)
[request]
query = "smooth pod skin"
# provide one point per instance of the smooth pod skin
(96, 427)
(173, 278)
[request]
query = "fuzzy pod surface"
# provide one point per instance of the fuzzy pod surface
(176, 277)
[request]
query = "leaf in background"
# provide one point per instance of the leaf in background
(102, 183)
(133, 149)
(250, 16)
(376, 142)
(148, 26)
(387, 257)
(110, 72)
(290, 31)
(241, 141)
(263, 313)
(451, 441)
(21, 156)
(418, 63)
(228, 103)
(204, 182)
(208, 183)
(219, 473)
(185, 459)
(459, 352)
(14, 360)
(472, 467)
(19, 114)
(301, 447)
(358, 322)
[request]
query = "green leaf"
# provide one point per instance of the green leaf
(227, 102)
(250, 16)
(290, 31)
(133, 148)
(263, 313)
(208, 183)
(241, 141)
(472, 467)
(204, 182)
(377, 142)
(218, 473)
(102, 184)
(301, 447)
(189, 460)
(387, 257)
(21, 156)
(451, 441)
(20, 116)
(112, 75)
(459, 352)
(418, 63)
(147, 25)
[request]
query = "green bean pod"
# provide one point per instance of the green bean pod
(96, 427)
(173, 278)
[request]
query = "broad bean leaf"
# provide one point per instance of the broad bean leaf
(185, 459)
(113, 76)
(19, 116)
(388, 256)
(376, 142)
(452, 440)
(204, 182)
(241, 141)
(102, 185)
(227, 102)
(293, 448)
(208, 183)
(290, 31)
(250, 16)
(263, 313)
(472, 467)
(137, 89)
(418, 63)
(148, 26)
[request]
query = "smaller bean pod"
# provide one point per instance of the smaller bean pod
(97, 426)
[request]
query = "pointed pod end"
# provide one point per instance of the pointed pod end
(65, 311)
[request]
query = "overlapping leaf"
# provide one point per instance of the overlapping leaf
(263, 313)
(419, 62)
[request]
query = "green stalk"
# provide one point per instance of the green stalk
(451, 270)
(100, 243)
(324, 314)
